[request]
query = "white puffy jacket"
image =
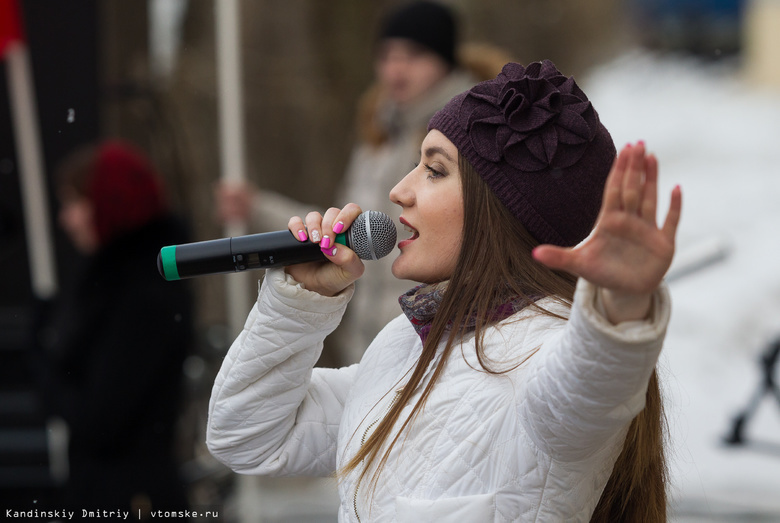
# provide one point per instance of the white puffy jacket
(537, 443)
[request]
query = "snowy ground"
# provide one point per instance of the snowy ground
(718, 137)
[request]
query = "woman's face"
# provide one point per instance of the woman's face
(76, 217)
(406, 70)
(431, 201)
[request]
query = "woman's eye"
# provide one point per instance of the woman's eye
(433, 173)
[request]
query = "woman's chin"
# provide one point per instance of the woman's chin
(397, 268)
(401, 269)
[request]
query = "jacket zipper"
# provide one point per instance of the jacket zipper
(363, 442)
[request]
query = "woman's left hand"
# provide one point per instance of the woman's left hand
(627, 255)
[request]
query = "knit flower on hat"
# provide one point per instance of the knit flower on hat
(533, 118)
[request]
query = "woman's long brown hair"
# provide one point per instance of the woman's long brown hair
(636, 489)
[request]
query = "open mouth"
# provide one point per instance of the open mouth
(412, 230)
(410, 239)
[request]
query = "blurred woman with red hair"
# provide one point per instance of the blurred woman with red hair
(119, 336)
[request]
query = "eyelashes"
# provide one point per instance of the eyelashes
(430, 171)
(433, 173)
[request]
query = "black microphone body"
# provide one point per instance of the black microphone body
(371, 236)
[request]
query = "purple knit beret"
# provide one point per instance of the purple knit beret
(536, 140)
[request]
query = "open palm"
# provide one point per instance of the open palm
(627, 252)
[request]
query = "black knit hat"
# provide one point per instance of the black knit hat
(429, 24)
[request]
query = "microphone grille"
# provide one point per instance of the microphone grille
(372, 235)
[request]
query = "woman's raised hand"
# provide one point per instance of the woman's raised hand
(627, 255)
(342, 266)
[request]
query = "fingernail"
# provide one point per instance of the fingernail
(640, 142)
(325, 243)
(338, 227)
(329, 252)
(302, 235)
(315, 235)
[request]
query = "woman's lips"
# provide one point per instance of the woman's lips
(414, 236)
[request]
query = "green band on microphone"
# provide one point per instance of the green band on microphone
(341, 238)
(168, 256)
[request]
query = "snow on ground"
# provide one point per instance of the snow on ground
(717, 136)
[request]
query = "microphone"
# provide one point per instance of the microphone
(372, 236)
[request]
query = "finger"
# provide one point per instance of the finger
(346, 217)
(632, 181)
(673, 216)
(328, 222)
(346, 259)
(345, 268)
(554, 257)
(314, 225)
(339, 220)
(613, 186)
(350, 266)
(650, 191)
(335, 221)
(297, 227)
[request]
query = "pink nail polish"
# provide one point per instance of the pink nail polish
(302, 236)
(338, 227)
(325, 243)
(329, 252)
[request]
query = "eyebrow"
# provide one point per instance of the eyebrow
(433, 149)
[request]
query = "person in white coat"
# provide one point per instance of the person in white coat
(519, 384)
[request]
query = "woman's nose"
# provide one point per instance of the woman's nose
(402, 194)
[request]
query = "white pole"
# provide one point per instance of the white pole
(233, 170)
(33, 183)
(231, 134)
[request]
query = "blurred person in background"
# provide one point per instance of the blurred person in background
(419, 65)
(118, 336)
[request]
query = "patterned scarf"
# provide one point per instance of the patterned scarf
(421, 303)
